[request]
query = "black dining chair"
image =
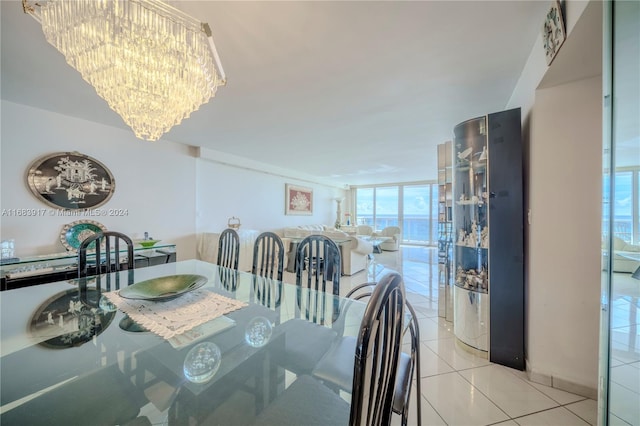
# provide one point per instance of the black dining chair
(335, 368)
(268, 256)
(106, 242)
(317, 288)
(375, 361)
(228, 279)
(318, 262)
(229, 249)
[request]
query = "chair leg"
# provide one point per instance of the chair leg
(418, 387)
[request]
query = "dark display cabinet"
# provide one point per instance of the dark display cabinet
(488, 240)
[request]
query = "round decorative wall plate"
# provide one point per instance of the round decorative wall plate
(553, 32)
(70, 180)
(74, 233)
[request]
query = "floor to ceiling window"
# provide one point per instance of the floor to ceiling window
(386, 207)
(412, 207)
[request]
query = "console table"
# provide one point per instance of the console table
(33, 270)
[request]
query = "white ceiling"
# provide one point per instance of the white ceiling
(351, 92)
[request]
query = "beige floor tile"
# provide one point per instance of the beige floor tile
(624, 404)
(429, 416)
(455, 356)
(556, 417)
(512, 394)
(616, 421)
(431, 364)
(626, 376)
(587, 410)
(458, 402)
(430, 330)
(560, 396)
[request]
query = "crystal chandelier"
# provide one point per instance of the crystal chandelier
(152, 63)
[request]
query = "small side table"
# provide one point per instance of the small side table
(376, 241)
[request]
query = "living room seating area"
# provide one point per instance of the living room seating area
(354, 250)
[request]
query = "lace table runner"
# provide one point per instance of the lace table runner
(176, 316)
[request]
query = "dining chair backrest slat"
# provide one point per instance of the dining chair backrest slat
(229, 249)
(317, 262)
(268, 256)
(377, 353)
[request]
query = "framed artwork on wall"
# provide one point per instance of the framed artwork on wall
(298, 200)
(553, 32)
(70, 180)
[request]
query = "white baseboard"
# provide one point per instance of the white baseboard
(561, 383)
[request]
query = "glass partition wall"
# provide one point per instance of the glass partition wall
(619, 392)
(413, 207)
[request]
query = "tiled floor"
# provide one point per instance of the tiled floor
(624, 373)
(459, 388)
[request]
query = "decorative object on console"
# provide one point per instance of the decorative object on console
(152, 63)
(553, 33)
(74, 233)
(298, 200)
(147, 241)
(7, 249)
(70, 180)
(233, 223)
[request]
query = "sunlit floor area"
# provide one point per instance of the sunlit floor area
(624, 391)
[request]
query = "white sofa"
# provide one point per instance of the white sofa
(354, 252)
(621, 263)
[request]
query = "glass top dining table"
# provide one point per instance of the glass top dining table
(65, 350)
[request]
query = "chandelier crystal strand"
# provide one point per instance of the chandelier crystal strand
(152, 63)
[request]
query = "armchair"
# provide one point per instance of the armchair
(364, 230)
(395, 234)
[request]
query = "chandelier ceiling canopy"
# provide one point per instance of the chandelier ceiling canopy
(152, 63)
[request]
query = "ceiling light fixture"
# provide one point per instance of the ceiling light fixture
(152, 63)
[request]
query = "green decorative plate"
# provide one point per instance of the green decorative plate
(74, 233)
(147, 243)
(163, 288)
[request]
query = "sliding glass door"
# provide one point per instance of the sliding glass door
(619, 391)
(387, 207)
(412, 207)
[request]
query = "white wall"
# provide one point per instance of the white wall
(167, 190)
(562, 134)
(257, 198)
(155, 181)
(564, 235)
